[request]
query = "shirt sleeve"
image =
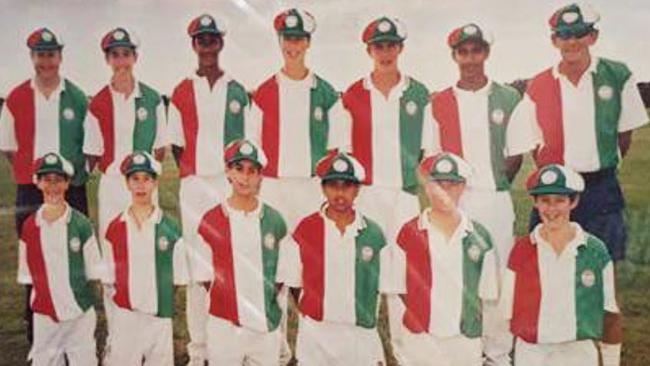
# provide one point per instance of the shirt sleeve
(7, 130)
(93, 140)
(633, 112)
(522, 133)
(289, 264)
(108, 275)
(392, 270)
(609, 289)
(489, 283)
(161, 127)
(253, 123)
(180, 263)
(24, 277)
(506, 300)
(175, 133)
(199, 255)
(94, 265)
(340, 132)
(430, 133)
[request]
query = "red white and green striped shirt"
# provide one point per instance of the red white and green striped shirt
(339, 273)
(59, 259)
(239, 256)
(145, 263)
(553, 298)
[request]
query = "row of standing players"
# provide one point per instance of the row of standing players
(487, 124)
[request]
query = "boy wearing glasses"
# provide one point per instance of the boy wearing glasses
(584, 111)
(472, 117)
(208, 111)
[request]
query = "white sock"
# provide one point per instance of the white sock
(611, 354)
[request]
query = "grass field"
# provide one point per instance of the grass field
(633, 281)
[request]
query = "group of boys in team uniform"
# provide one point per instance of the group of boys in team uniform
(297, 191)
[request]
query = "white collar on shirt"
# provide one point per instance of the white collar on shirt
(591, 69)
(484, 91)
(55, 94)
(223, 80)
(229, 210)
(137, 93)
(357, 224)
(579, 240)
(67, 215)
(155, 218)
(465, 227)
(282, 78)
(401, 86)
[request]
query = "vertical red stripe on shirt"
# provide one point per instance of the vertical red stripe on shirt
(445, 113)
(357, 101)
(215, 230)
(267, 98)
(184, 100)
(415, 243)
(528, 290)
(21, 104)
(545, 92)
(31, 235)
(310, 236)
(101, 106)
(117, 235)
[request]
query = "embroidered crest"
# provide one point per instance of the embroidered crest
(411, 108)
(444, 166)
(588, 278)
(51, 159)
(498, 116)
(68, 114)
(75, 244)
(139, 159)
(142, 114)
(605, 92)
(470, 30)
(234, 107)
(384, 26)
(570, 17)
(47, 36)
(163, 243)
(549, 177)
(269, 241)
(291, 21)
(474, 253)
(118, 35)
(318, 113)
(206, 21)
(246, 149)
(340, 165)
(367, 253)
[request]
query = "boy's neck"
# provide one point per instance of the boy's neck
(243, 203)
(53, 211)
(211, 73)
(473, 82)
(558, 237)
(47, 85)
(575, 70)
(341, 218)
(385, 80)
(446, 222)
(123, 84)
(141, 212)
(295, 71)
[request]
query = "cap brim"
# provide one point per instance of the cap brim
(238, 159)
(51, 170)
(539, 191)
(477, 39)
(207, 31)
(54, 47)
(447, 177)
(343, 177)
(385, 38)
(121, 44)
(580, 29)
(294, 33)
(135, 170)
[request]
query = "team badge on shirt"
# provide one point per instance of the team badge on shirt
(588, 278)
(163, 243)
(234, 107)
(318, 113)
(269, 241)
(142, 113)
(367, 253)
(474, 253)
(75, 244)
(498, 116)
(605, 92)
(68, 114)
(411, 108)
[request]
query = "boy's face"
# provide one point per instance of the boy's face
(245, 177)
(121, 59)
(575, 48)
(141, 185)
(444, 195)
(294, 48)
(53, 187)
(46, 63)
(470, 57)
(207, 47)
(385, 54)
(340, 194)
(555, 209)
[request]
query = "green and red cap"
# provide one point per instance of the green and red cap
(140, 161)
(53, 163)
(43, 39)
(205, 24)
(340, 166)
(118, 37)
(445, 167)
(295, 23)
(555, 179)
(384, 29)
(573, 21)
(468, 32)
(242, 149)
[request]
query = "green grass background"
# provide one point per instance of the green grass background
(633, 281)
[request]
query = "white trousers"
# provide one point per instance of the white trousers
(333, 344)
(136, 336)
(390, 208)
(429, 350)
(494, 210)
(197, 195)
(576, 353)
(230, 345)
(73, 338)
